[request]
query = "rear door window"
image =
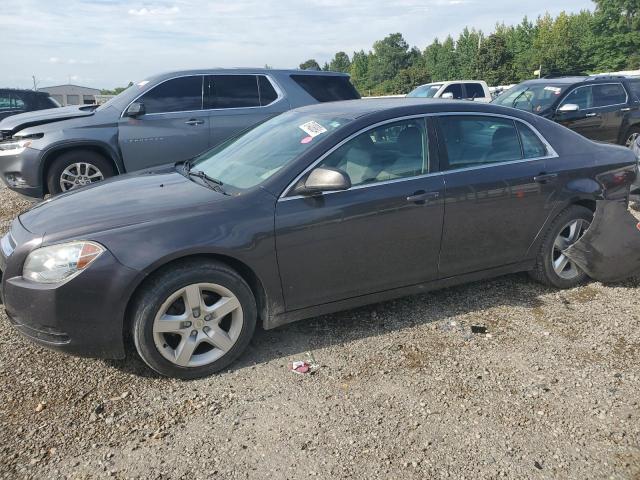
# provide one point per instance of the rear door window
(474, 90)
(183, 94)
(609, 94)
(327, 88)
(634, 86)
(475, 140)
(268, 94)
(532, 146)
(232, 91)
(454, 88)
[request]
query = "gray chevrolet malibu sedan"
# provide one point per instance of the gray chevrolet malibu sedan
(320, 209)
(167, 118)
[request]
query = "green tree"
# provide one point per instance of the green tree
(340, 63)
(409, 78)
(360, 71)
(617, 30)
(494, 61)
(310, 64)
(389, 56)
(467, 51)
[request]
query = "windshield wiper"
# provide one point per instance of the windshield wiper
(211, 182)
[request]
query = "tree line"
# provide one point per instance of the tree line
(602, 40)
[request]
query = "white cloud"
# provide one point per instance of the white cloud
(154, 11)
(106, 40)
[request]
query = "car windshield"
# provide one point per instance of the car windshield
(534, 98)
(136, 86)
(249, 159)
(425, 91)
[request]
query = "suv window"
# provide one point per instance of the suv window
(391, 151)
(232, 91)
(634, 86)
(454, 88)
(477, 140)
(474, 90)
(608, 94)
(181, 94)
(532, 146)
(327, 88)
(268, 94)
(581, 96)
(10, 101)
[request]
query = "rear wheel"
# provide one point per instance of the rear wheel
(193, 320)
(76, 169)
(553, 267)
(631, 136)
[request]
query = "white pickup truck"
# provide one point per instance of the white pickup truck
(476, 90)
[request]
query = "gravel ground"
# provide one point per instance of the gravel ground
(405, 390)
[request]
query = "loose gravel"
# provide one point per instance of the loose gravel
(404, 390)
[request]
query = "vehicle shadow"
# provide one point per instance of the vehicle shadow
(373, 320)
(396, 315)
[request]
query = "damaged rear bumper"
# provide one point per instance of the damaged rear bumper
(609, 250)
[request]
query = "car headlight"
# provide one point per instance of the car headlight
(14, 147)
(57, 263)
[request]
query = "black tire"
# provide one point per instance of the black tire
(628, 138)
(54, 173)
(544, 271)
(161, 287)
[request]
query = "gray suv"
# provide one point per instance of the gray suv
(167, 118)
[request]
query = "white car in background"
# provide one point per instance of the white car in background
(476, 90)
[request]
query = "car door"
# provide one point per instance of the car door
(587, 120)
(173, 128)
(235, 102)
(611, 102)
(474, 91)
(382, 233)
(497, 189)
(454, 89)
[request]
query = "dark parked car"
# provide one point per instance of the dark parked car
(13, 101)
(167, 118)
(602, 108)
(320, 209)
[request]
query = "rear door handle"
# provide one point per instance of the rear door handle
(625, 109)
(194, 121)
(545, 178)
(421, 197)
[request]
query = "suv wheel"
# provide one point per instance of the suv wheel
(77, 168)
(193, 320)
(553, 267)
(632, 136)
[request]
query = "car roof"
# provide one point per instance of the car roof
(243, 71)
(24, 90)
(571, 80)
(362, 107)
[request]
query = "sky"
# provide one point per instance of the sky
(107, 43)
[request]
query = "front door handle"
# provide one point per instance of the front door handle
(194, 121)
(591, 115)
(420, 197)
(545, 178)
(625, 109)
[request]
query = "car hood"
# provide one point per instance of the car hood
(123, 201)
(15, 123)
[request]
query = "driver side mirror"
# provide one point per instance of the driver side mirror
(447, 96)
(324, 180)
(135, 110)
(569, 107)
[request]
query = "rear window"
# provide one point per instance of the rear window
(474, 90)
(268, 94)
(634, 86)
(326, 88)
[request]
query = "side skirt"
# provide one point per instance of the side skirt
(295, 315)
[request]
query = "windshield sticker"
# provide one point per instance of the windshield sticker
(335, 124)
(306, 139)
(312, 128)
(555, 90)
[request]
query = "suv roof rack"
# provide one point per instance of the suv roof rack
(604, 77)
(569, 75)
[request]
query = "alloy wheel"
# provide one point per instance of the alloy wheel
(78, 175)
(198, 324)
(632, 138)
(570, 234)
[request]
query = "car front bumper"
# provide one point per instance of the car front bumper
(21, 172)
(83, 316)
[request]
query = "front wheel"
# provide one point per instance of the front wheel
(193, 320)
(77, 168)
(553, 267)
(631, 136)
